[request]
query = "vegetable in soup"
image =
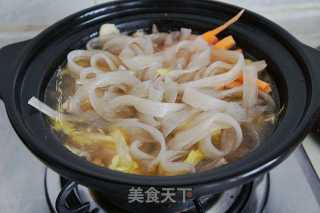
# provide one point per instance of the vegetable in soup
(161, 103)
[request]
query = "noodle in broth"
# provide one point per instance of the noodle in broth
(160, 103)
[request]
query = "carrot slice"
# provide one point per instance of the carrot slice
(232, 84)
(210, 36)
(262, 85)
(226, 43)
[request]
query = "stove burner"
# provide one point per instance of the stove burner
(64, 196)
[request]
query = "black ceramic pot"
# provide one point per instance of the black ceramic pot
(27, 67)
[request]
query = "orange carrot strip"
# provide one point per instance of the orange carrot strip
(262, 85)
(235, 83)
(221, 28)
(226, 43)
(211, 39)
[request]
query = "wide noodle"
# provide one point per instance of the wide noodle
(168, 102)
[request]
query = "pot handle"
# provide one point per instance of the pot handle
(314, 56)
(8, 60)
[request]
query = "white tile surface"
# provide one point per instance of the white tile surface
(18, 13)
(297, 16)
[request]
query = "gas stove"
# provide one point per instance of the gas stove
(66, 196)
(292, 187)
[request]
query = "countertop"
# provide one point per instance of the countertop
(22, 19)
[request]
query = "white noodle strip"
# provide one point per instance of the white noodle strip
(228, 143)
(229, 76)
(213, 164)
(185, 33)
(77, 55)
(122, 148)
(200, 60)
(116, 43)
(45, 109)
(137, 50)
(127, 53)
(205, 102)
(42, 107)
(148, 119)
(197, 119)
(209, 150)
(91, 117)
(250, 89)
(202, 101)
(107, 29)
(221, 162)
(211, 70)
(182, 45)
(174, 74)
(268, 98)
(93, 44)
(187, 138)
(156, 91)
(198, 75)
(85, 73)
(220, 94)
(155, 29)
(167, 164)
(119, 77)
(155, 94)
(145, 43)
(96, 58)
(142, 62)
(146, 106)
(258, 65)
(96, 44)
(155, 134)
(168, 40)
(137, 153)
(170, 91)
(141, 90)
(175, 119)
(229, 92)
(227, 56)
(199, 45)
(72, 104)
